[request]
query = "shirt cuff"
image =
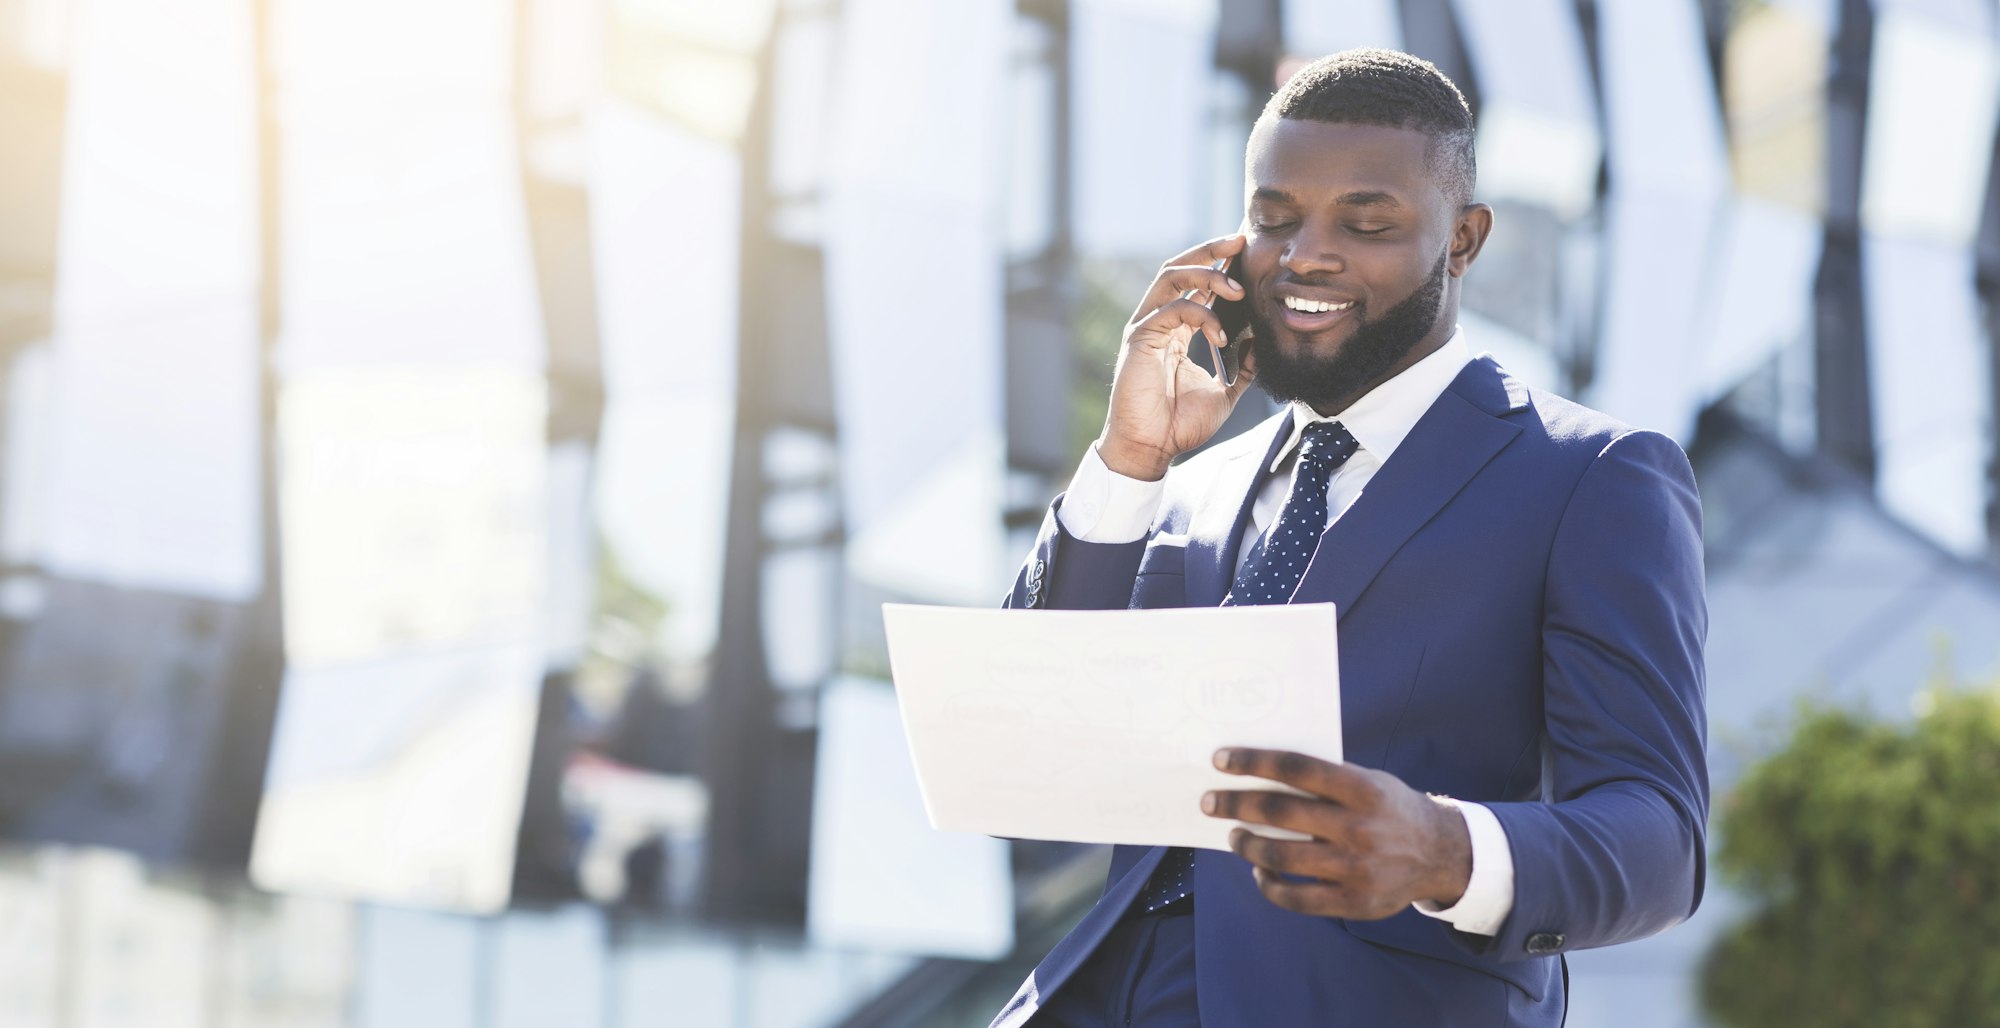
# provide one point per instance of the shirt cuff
(1103, 506)
(1489, 895)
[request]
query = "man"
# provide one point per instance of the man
(1518, 581)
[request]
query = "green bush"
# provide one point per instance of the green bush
(1870, 855)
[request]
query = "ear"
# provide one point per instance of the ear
(1468, 235)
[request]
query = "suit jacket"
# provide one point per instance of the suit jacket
(1521, 616)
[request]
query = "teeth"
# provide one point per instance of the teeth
(1315, 306)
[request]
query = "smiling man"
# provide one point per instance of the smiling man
(1518, 581)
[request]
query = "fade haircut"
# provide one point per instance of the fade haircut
(1393, 89)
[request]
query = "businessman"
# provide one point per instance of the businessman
(1518, 583)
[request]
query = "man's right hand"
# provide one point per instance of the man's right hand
(1162, 403)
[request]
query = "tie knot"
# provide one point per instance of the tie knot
(1327, 443)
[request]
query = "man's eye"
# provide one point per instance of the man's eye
(1359, 231)
(1270, 226)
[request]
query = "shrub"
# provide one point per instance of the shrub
(1869, 852)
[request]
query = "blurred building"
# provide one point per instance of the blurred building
(452, 453)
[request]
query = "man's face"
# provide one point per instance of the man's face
(1350, 260)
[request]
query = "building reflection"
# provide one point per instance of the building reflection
(452, 454)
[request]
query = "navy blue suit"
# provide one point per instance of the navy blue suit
(1521, 624)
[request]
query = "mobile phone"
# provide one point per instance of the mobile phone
(1217, 360)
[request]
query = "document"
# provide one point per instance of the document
(1101, 726)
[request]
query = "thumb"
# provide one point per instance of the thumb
(1246, 370)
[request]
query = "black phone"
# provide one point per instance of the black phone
(1224, 361)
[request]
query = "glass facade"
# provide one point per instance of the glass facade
(452, 454)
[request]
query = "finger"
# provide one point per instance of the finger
(1296, 856)
(1155, 330)
(1324, 899)
(1185, 282)
(1306, 814)
(1320, 898)
(1218, 362)
(1343, 783)
(1209, 252)
(1246, 369)
(1177, 351)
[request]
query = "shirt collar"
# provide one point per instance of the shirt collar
(1385, 414)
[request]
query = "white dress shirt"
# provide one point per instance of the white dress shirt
(1103, 506)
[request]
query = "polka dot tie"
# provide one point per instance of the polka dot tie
(1269, 577)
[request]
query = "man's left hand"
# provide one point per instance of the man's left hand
(1377, 845)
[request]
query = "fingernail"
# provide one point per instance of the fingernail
(1208, 803)
(1233, 283)
(1222, 758)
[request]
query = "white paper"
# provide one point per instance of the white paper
(1101, 726)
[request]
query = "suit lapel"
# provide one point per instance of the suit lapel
(1216, 532)
(1460, 433)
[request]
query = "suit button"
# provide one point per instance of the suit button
(1542, 944)
(1035, 583)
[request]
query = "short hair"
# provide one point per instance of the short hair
(1391, 88)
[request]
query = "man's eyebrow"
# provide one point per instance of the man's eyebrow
(1368, 199)
(1358, 198)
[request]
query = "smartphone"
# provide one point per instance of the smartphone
(1217, 360)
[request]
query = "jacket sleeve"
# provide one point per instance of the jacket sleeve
(1063, 572)
(1617, 850)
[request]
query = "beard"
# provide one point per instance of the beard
(1321, 380)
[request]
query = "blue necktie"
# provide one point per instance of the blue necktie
(1269, 577)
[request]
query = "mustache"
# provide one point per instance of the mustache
(1286, 278)
(1330, 280)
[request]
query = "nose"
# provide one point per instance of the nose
(1311, 251)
